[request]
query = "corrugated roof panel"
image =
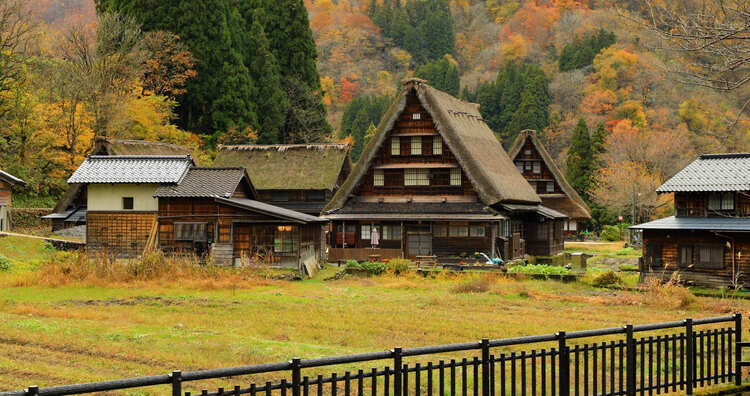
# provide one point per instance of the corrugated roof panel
(697, 223)
(204, 182)
(120, 169)
(712, 172)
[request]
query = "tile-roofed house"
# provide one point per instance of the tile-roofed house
(215, 211)
(7, 183)
(440, 174)
(538, 167)
(708, 239)
(120, 205)
(302, 177)
(74, 199)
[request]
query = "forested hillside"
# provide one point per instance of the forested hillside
(584, 73)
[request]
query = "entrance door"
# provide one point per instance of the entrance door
(418, 241)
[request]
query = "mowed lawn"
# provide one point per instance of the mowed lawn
(70, 334)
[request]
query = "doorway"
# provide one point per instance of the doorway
(418, 241)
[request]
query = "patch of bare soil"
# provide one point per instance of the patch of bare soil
(153, 301)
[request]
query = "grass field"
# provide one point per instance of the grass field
(86, 332)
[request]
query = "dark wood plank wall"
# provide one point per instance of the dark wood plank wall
(122, 234)
(695, 204)
(5, 193)
(545, 174)
(404, 128)
(295, 195)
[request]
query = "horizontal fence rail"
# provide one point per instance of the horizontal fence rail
(680, 357)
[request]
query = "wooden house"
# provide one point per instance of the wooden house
(121, 207)
(707, 241)
(70, 211)
(435, 181)
(539, 168)
(214, 211)
(300, 177)
(7, 183)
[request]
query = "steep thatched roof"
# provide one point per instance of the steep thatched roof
(315, 166)
(571, 203)
(108, 146)
(492, 173)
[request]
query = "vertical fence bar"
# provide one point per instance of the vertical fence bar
(296, 376)
(738, 349)
(176, 378)
(690, 356)
(630, 368)
(397, 366)
(485, 367)
(564, 361)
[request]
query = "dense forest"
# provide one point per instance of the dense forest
(585, 73)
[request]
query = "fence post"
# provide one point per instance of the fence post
(564, 364)
(296, 376)
(33, 391)
(630, 361)
(176, 383)
(690, 356)
(738, 349)
(485, 367)
(397, 367)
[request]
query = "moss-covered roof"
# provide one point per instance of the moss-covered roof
(108, 146)
(289, 167)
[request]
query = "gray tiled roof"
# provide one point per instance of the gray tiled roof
(155, 169)
(271, 210)
(712, 172)
(11, 179)
(204, 182)
(697, 223)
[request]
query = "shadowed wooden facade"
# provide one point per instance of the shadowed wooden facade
(119, 234)
(432, 182)
(7, 183)
(707, 242)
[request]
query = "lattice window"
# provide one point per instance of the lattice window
(537, 167)
(455, 177)
(416, 116)
(416, 145)
(710, 256)
(458, 231)
(365, 232)
(437, 145)
(285, 240)
(378, 178)
(476, 231)
(550, 187)
(395, 146)
(416, 177)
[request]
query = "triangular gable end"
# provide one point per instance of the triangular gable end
(465, 135)
(576, 208)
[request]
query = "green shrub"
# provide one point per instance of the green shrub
(629, 267)
(4, 263)
(539, 269)
(375, 268)
(614, 232)
(398, 266)
(607, 279)
(353, 264)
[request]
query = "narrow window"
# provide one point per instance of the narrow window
(416, 116)
(686, 256)
(476, 231)
(284, 239)
(537, 167)
(519, 166)
(550, 187)
(437, 145)
(416, 145)
(714, 201)
(395, 146)
(455, 176)
(378, 178)
(365, 231)
(727, 201)
(127, 203)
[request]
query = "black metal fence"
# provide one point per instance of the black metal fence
(673, 356)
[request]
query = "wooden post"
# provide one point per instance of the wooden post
(493, 237)
(403, 235)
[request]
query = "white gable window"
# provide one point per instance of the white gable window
(455, 177)
(378, 178)
(527, 152)
(416, 177)
(416, 116)
(537, 167)
(416, 145)
(395, 146)
(437, 145)
(550, 187)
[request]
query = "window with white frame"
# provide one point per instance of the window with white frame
(416, 116)
(416, 145)
(455, 176)
(537, 167)
(378, 180)
(395, 146)
(550, 186)
(437, 145)
(365, 231)
(416, 177)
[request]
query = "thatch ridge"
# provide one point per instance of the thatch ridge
(475, 146)
(578, 209)
(311, 166)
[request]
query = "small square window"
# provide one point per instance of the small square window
(395, 146)
(127, 203)
(378, 178)
(416, 145)
(416, 116)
